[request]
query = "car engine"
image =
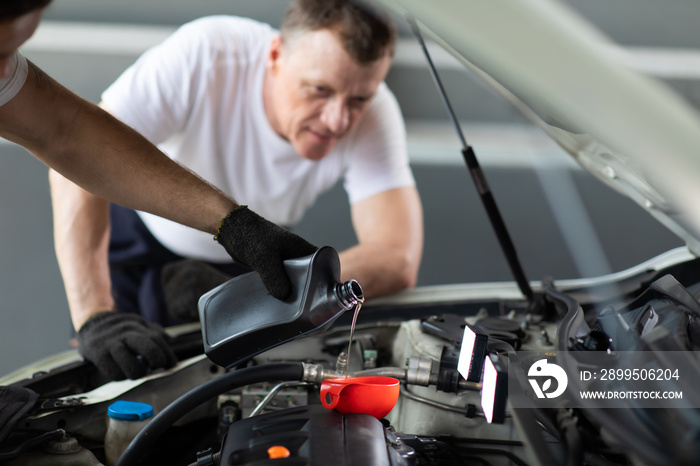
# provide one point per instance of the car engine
(245, 415)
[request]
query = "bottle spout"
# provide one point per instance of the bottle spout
(349, 294)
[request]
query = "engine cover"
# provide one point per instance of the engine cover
(313, 435)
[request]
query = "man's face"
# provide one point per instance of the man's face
(315, 92)
(13, 33)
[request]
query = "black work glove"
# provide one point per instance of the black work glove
(261, 245)
(124, 345)
(15, 403)
(184, 282)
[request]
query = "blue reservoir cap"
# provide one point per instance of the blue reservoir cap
(129, 411)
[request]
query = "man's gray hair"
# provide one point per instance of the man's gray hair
(367, 34)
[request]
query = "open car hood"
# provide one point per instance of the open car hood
(630, 131)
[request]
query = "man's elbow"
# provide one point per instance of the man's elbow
(405, 273)
(409, 281)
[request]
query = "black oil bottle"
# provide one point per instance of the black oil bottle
(241, 319)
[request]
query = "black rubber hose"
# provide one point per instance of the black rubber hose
(145, 439)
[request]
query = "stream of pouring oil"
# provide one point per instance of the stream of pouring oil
(352, 331)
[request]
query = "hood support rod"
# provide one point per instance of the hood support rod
(479, 179)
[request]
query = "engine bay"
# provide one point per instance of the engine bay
(205, 414)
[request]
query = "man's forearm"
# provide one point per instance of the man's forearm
(129, 171)
(81, 237)
(389, 228)
(380, 270)
(104, 156)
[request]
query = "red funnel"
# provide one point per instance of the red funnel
(375, 396)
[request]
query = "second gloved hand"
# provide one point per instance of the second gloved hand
(261, 245)
(184, 282)
(124, 345)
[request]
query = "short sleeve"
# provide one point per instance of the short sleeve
(154, 95)
(378, 158)
(10, 86)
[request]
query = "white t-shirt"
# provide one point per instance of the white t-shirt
(10, 86)
(198, 96)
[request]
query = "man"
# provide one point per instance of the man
(273, 119)
(104, 156)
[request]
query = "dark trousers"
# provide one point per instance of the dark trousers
(135, 261)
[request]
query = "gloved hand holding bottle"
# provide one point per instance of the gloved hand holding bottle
(263, 246)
